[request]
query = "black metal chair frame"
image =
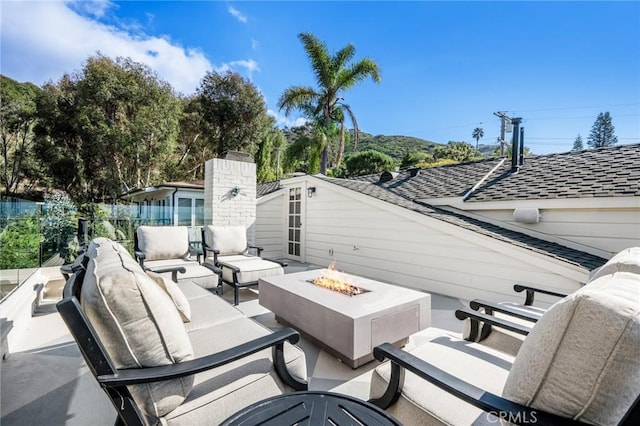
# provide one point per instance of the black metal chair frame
(488, 320)
(114, 381)
(503, 408)
(235, 284)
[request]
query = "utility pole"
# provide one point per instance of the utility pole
(504, 119)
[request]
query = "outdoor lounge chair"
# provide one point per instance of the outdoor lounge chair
(158, 369)
(517, 319)
(166, 250)
(230, 253)
(579, 364)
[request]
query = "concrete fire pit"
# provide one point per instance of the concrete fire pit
(348, 327)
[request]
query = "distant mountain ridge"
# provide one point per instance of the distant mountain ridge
(395, 145)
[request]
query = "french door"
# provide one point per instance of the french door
(294, 234)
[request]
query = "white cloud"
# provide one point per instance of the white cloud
(249, 65)
(237, 14)
(96, 8)
(41, 41)
(254, 43)
(282, 120)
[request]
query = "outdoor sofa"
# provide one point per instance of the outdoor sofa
(171, 354)
(578, 364)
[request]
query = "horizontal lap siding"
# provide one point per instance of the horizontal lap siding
(270, 227)
(610, 230)
(382, 245)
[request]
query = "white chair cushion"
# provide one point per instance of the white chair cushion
(251, 269)
(227, 239)
(581, 358)
(137, 322)
(627, 260)
(423, 403)
(176, 295)
(163, 242)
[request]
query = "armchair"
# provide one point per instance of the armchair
(226, 248)
(578, 364)
(167, 250)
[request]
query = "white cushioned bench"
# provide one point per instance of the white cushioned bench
(172, 353)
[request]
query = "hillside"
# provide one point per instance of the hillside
(395, 146)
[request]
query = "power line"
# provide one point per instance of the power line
(566, 108)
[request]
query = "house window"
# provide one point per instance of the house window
(184, 211)
(199, 214)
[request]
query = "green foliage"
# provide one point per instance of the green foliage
(577, 144)
(20, 243)
(395, 146)
(17, 119)
(367, 162)
(602, 133)
(110, 127)
(264, 168)
(303, 155)
(58, 226)
(414, 158)
(461, 152)
(334, 75)
(234, 113)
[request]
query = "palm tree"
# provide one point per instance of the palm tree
(334, 75)
(477, 134)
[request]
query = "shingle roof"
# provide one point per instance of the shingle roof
(263, 189)
(519, 239)
(603, 172)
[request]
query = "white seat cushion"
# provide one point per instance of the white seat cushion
(423, 403)
(627, 260)
(174, 292)
(581, 358)
(251, 269)
(137, 322)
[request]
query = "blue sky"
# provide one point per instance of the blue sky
(446, 66)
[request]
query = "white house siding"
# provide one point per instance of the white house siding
(395, 245)
(602, 227)
(270, 225)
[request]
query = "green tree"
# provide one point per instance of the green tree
(58, 225)
(414, 158)
(477, 134)
(367, 162)
(20, 242)
(234, 113)
(193, 149)
(458, 151)
(577, 144)
(118, 119)
(334, 75)
(602, 132)
(264, 164)
(17, 120)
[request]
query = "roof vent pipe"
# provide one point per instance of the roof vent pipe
(515, 146)
(413, 172)
(387, 176)
(521, 159)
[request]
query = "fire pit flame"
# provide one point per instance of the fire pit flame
(337, 281)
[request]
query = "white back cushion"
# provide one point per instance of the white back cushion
(628, 260)
(163, 242)
(581, 358)
(228, 240)
(137, 322)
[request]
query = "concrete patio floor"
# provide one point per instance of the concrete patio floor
(45, 380)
